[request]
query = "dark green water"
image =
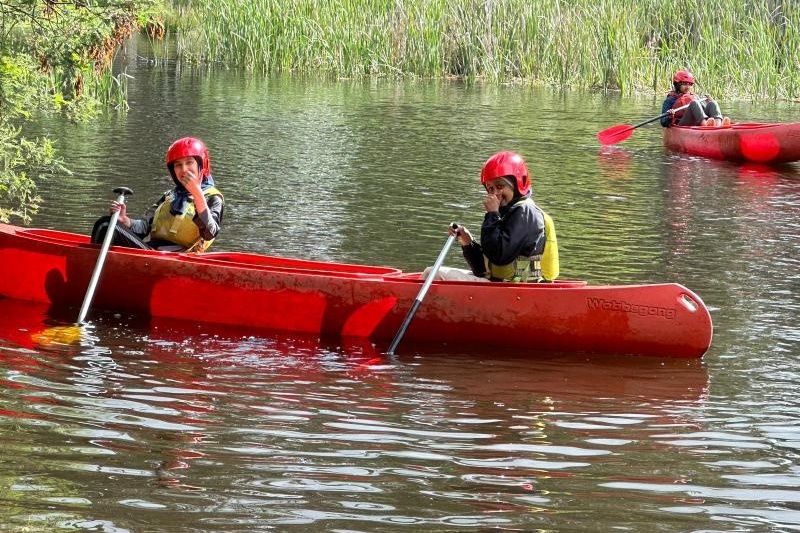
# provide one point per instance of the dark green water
(167, 427)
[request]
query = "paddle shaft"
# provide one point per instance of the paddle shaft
(618, 133)
(662, 115)
(98, 267)
(418, 301)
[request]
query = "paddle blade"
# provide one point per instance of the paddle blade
(615, 134)
(58, 335)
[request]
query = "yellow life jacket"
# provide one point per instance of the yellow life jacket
(180, 229)
(536, 268)
(549, 265)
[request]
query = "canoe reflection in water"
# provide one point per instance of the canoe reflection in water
(481, 373)
(27, 324)
(288, 422)
(139, 365)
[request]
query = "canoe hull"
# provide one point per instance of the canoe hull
(747, 141)
(342, 300)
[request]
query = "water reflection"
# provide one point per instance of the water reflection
(318, 435)
(706, 206)
(286, 431)
(614, 162)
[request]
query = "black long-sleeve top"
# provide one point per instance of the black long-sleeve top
(517, 230)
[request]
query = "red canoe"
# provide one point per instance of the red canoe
(745, 141)
(341, 300)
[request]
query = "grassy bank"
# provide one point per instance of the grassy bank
(740, 48)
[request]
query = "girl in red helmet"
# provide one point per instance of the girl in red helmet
(518, 239)
(701, 111)
(185, 218)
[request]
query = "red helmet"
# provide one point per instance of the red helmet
(189, 147)
(683, 76)
(507, 164)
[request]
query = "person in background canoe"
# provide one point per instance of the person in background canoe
(185, 218)
(702, 111)
(518, 240)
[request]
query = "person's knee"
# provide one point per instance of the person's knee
(100, 228)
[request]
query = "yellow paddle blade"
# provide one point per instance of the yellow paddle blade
(58, 335)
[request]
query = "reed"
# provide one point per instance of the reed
(112, 89)
(739, 47)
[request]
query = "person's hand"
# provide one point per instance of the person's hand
(463, 234)
(491, 203)
(191, 182)
(671, 112)
(708, 98)
(123, 213)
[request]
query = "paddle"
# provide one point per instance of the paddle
(620, 132)
(431, 275)
(98, 267)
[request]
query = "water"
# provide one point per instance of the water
(158, 426)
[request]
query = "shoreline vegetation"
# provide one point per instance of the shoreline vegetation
(741, 48)
(56, 57)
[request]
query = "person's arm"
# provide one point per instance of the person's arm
(470, 249)
(209, 220)
(503, 240)
(208, 213)
(142, 226)
(666, 107)
(473, 255)
(139, 226)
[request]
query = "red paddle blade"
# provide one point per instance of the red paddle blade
(615, 134)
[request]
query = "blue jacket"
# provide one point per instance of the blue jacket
(666, 120)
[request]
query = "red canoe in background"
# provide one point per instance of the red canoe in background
(346, 300)
(746, 141)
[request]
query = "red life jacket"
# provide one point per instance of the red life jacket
(682, 100)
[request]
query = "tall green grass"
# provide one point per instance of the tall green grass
(744, 48)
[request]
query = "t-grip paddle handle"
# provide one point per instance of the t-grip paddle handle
(98, 267)
(122, 192)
